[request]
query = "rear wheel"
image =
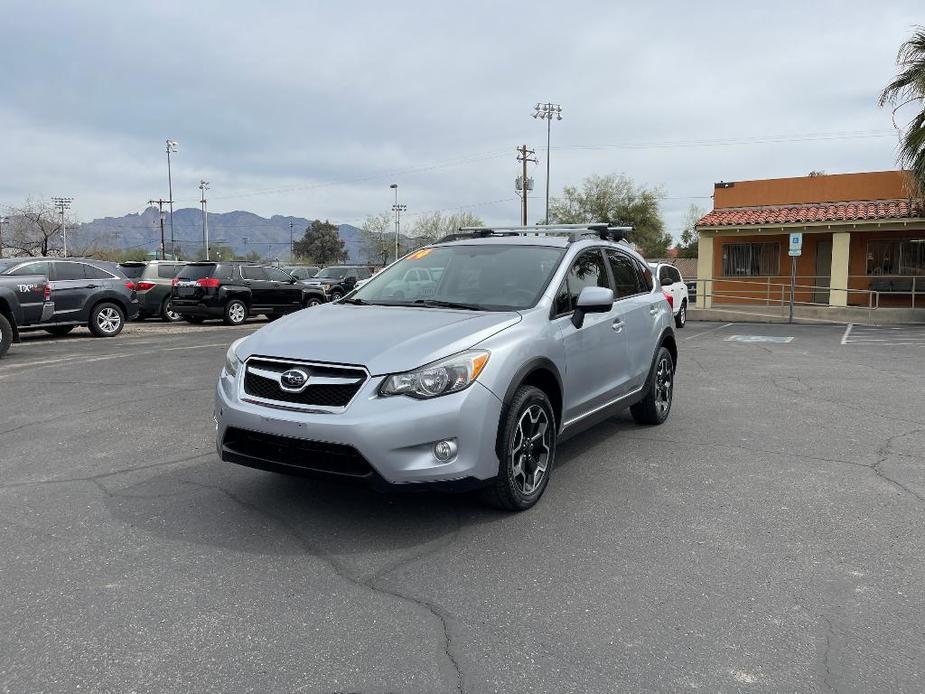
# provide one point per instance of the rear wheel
(655, 406)
(60, 330)
(195, 320)
(168, 315)
(528, 445)
(106, 320)
(235, 312)
(680, 320)
(6, 335)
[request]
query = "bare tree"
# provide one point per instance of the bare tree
(35, 229)
(432, 227)
(378, 237)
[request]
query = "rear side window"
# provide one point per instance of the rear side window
(278, 275)
(68, 271)
(32, 269)
(626, 274)
(196, 272)
(675, 274)
(95, 273)
(587, 271)
(253, 272)
(166, 272)
(133, 272)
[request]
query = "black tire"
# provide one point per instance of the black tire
(313, 301)
(524, 456)
(680, 320)
(60, 330)
(655, 407)
(335, 295)
(168, 315)
(195, 320)
(106, 319)
(235, 312)
(6, 335)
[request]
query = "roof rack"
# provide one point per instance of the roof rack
(574, 232)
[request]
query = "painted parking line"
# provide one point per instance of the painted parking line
(711, 330)
(886, 336)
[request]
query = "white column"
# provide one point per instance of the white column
(838, 286)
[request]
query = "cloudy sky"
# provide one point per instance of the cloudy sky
(314, 108)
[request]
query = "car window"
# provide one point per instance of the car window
(664, 273)
(40, 268)
(646, 278)
(675, 274)
(68, 271)
(253, 272)
(223, 271)
(167, 272)
(278, 275)
(587, 271)
(94, 273)
(626, 276)
(132, 271)
(197, 272)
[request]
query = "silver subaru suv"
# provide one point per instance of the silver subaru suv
(463, 364)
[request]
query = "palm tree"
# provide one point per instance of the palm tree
(909, 88)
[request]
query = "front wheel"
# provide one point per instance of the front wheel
(235, 312)
(106, 320)
(335, 296)
(680, 320)
(313, 301)
(528, 448)
(6, 335)
(655, 406)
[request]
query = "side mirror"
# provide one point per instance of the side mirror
(592, 300)
(667, 282)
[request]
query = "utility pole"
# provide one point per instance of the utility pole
(63, 204)
(204, 186)
(524, 184)
(547, 111)
(171, 147)
(160, 208)
(397, 209)
(291, 246)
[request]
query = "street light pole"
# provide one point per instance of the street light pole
(171, 147)
(63, 204)
(547, 111)
(204, 186)
(291, 246)
(397, 209)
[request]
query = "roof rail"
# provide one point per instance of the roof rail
(574, 232)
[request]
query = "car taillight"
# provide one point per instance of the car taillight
(208, 282)
(144, 286)
(173, 282)
(47, 292)
(670, 298)
(130, 285)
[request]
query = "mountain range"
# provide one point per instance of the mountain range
(243, 231)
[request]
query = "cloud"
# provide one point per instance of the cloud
(312, 109)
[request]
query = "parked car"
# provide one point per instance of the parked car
(94, 293)
(233, 291)
(302, 272)
(337, 280)
(153, 282)
(526, 340)
(670, 279)
(22, 301)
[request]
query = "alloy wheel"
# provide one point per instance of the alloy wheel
(237, 313)
(663, 386)
(108, 319)
(530, 450)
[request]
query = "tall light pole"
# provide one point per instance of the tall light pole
(171, 147)
(291, 246)
(63, 204)
(3, 220)
(397, 209)
(204, 186)
(547, 111)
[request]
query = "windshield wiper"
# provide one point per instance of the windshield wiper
(436, 303)
(358, 302)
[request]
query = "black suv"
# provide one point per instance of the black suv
(233, 291)
(153, 284)
(337, 280)
(88, 292)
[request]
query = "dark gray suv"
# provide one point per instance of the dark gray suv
(153, 284)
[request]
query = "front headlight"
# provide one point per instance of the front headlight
(231, 358)
(442, 377)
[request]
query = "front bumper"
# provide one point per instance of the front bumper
(394, 435)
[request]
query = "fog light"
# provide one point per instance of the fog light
(445, 450)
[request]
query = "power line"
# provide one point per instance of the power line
(728, 142)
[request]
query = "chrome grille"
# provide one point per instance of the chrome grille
(329, 387)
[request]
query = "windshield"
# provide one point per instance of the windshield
(195, 272)
(483, 277)
(333, 273)
(133, 271)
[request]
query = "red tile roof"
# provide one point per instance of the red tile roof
(818, 212)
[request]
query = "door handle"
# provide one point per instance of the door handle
(92, 286)
(617, 325)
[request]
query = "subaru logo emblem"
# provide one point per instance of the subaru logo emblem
(293, 379)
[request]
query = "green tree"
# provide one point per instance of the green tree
(618, 200)
(690, 237)
(432, 227)
(378, 237)
(909, 88)
(322, 243)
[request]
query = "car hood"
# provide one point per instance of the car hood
(384, 339)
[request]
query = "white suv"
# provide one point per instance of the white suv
(674, 286)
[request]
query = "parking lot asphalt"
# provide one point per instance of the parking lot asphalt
(769, 537)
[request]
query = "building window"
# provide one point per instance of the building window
(906, 257)
(751, 259)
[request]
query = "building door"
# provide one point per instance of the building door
(823, 271)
